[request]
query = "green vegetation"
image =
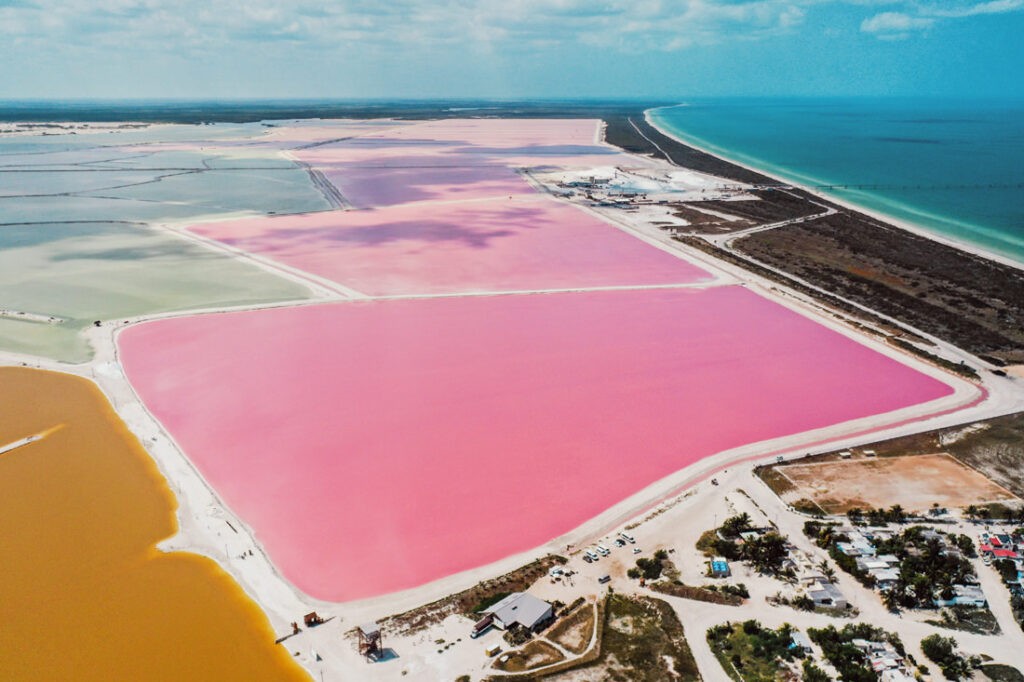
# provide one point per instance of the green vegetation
(536, 654)
(808, 506)
(489, 600)
(710, 594)
(942, 651)
(851, 662)
(574, 631)
(649, 569)
(965, 544)
(639, 640)
(737, 590)
(467, 601)
(927, 570)
(765, 552)
(877, 517)
(1008, 572)
(825, 536)
(994, 510)
(708, 542)
(642, 641)
(813, 673)
(750, 652)
(997, 672)
(929, 566)
(979, 621)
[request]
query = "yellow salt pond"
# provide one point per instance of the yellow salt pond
(84, 593)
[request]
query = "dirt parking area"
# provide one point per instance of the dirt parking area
(915, 482)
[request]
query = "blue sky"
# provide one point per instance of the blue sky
(509, 48)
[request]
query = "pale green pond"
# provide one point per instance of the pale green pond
(106, 271)
(77, 227)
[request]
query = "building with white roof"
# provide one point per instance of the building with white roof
(520, 608)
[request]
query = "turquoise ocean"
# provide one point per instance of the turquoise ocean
(955, 168)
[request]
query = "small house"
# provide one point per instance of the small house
(826, 594)
(521, 608)
(800, 642)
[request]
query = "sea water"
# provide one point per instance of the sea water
(955, 168)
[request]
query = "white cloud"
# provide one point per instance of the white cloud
(895, 22)
(993, 7)
(899, 25)
(361, 26)
(618, 24)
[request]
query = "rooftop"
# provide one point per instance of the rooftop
(522, 608)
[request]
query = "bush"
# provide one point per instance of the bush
(813, 673)
(649, 568)
(942, 651)
(737, 590)
(1007, 569)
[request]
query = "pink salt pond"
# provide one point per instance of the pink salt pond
(390, 186)
(455, 159)
(379, 445)
(506, 245)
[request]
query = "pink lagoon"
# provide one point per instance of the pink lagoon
(375, 446)
(470, 247)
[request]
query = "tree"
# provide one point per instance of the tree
(942, 651)
(892, 598)
(813, 673)
(735, 525)
(1007, 569)
(965, 545)
(766, 553)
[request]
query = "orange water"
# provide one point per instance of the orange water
(84, 594)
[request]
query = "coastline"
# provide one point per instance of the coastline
(203, 517)
(903, 224)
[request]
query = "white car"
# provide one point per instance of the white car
(589, 553)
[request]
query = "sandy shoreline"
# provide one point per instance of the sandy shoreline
(903, 224)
